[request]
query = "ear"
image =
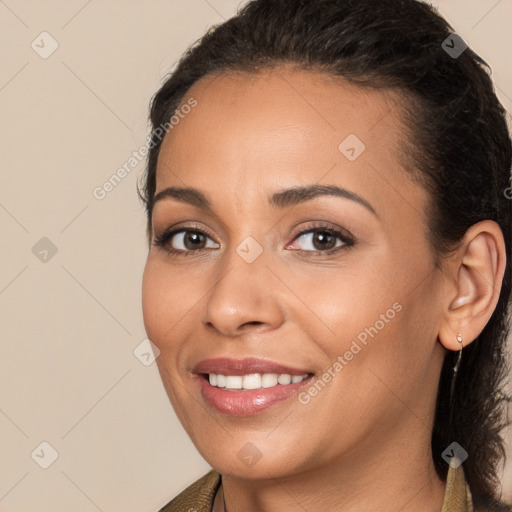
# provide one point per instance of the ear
(474, 278)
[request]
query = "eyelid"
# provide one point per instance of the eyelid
(348, 240)
(325, 225)
(164, 238)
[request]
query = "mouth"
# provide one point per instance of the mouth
(253, 381)
(249, 386)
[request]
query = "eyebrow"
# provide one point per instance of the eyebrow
(282, 199)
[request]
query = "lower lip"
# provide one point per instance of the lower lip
(247, 402)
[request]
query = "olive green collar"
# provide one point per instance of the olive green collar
(200, 495)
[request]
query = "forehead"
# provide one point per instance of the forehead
(283, 127)
(286, 99)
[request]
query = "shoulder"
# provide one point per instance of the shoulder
(197, 497)
(459, 498)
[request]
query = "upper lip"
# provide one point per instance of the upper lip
(227, 366)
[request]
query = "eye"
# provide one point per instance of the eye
(183, 241)
(322, 239)
(317, 240)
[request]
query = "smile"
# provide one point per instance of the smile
(253, 380)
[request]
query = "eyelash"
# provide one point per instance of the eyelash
(347, 239)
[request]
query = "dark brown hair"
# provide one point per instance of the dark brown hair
(459, 147)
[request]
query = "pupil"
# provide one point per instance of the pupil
(194, 239)
(323, 236)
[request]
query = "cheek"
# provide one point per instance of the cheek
(150, 304)
(160, 307)
(159, 303)
(372, 321)
(349, 301)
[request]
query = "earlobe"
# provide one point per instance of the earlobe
(477, 273)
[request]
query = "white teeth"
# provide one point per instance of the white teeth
(269, 380)
(253, 380)
(233, 382)
(284, 379)
(221, 381)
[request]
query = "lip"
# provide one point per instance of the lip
(227, 366)
(246, 402)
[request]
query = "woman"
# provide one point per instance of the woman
(327, 280)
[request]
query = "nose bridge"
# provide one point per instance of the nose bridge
(247, 254)
(242, 294)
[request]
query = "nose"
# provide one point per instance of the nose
(243, 299)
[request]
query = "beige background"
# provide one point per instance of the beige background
(70, 323)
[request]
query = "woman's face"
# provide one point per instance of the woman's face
(300, 249)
